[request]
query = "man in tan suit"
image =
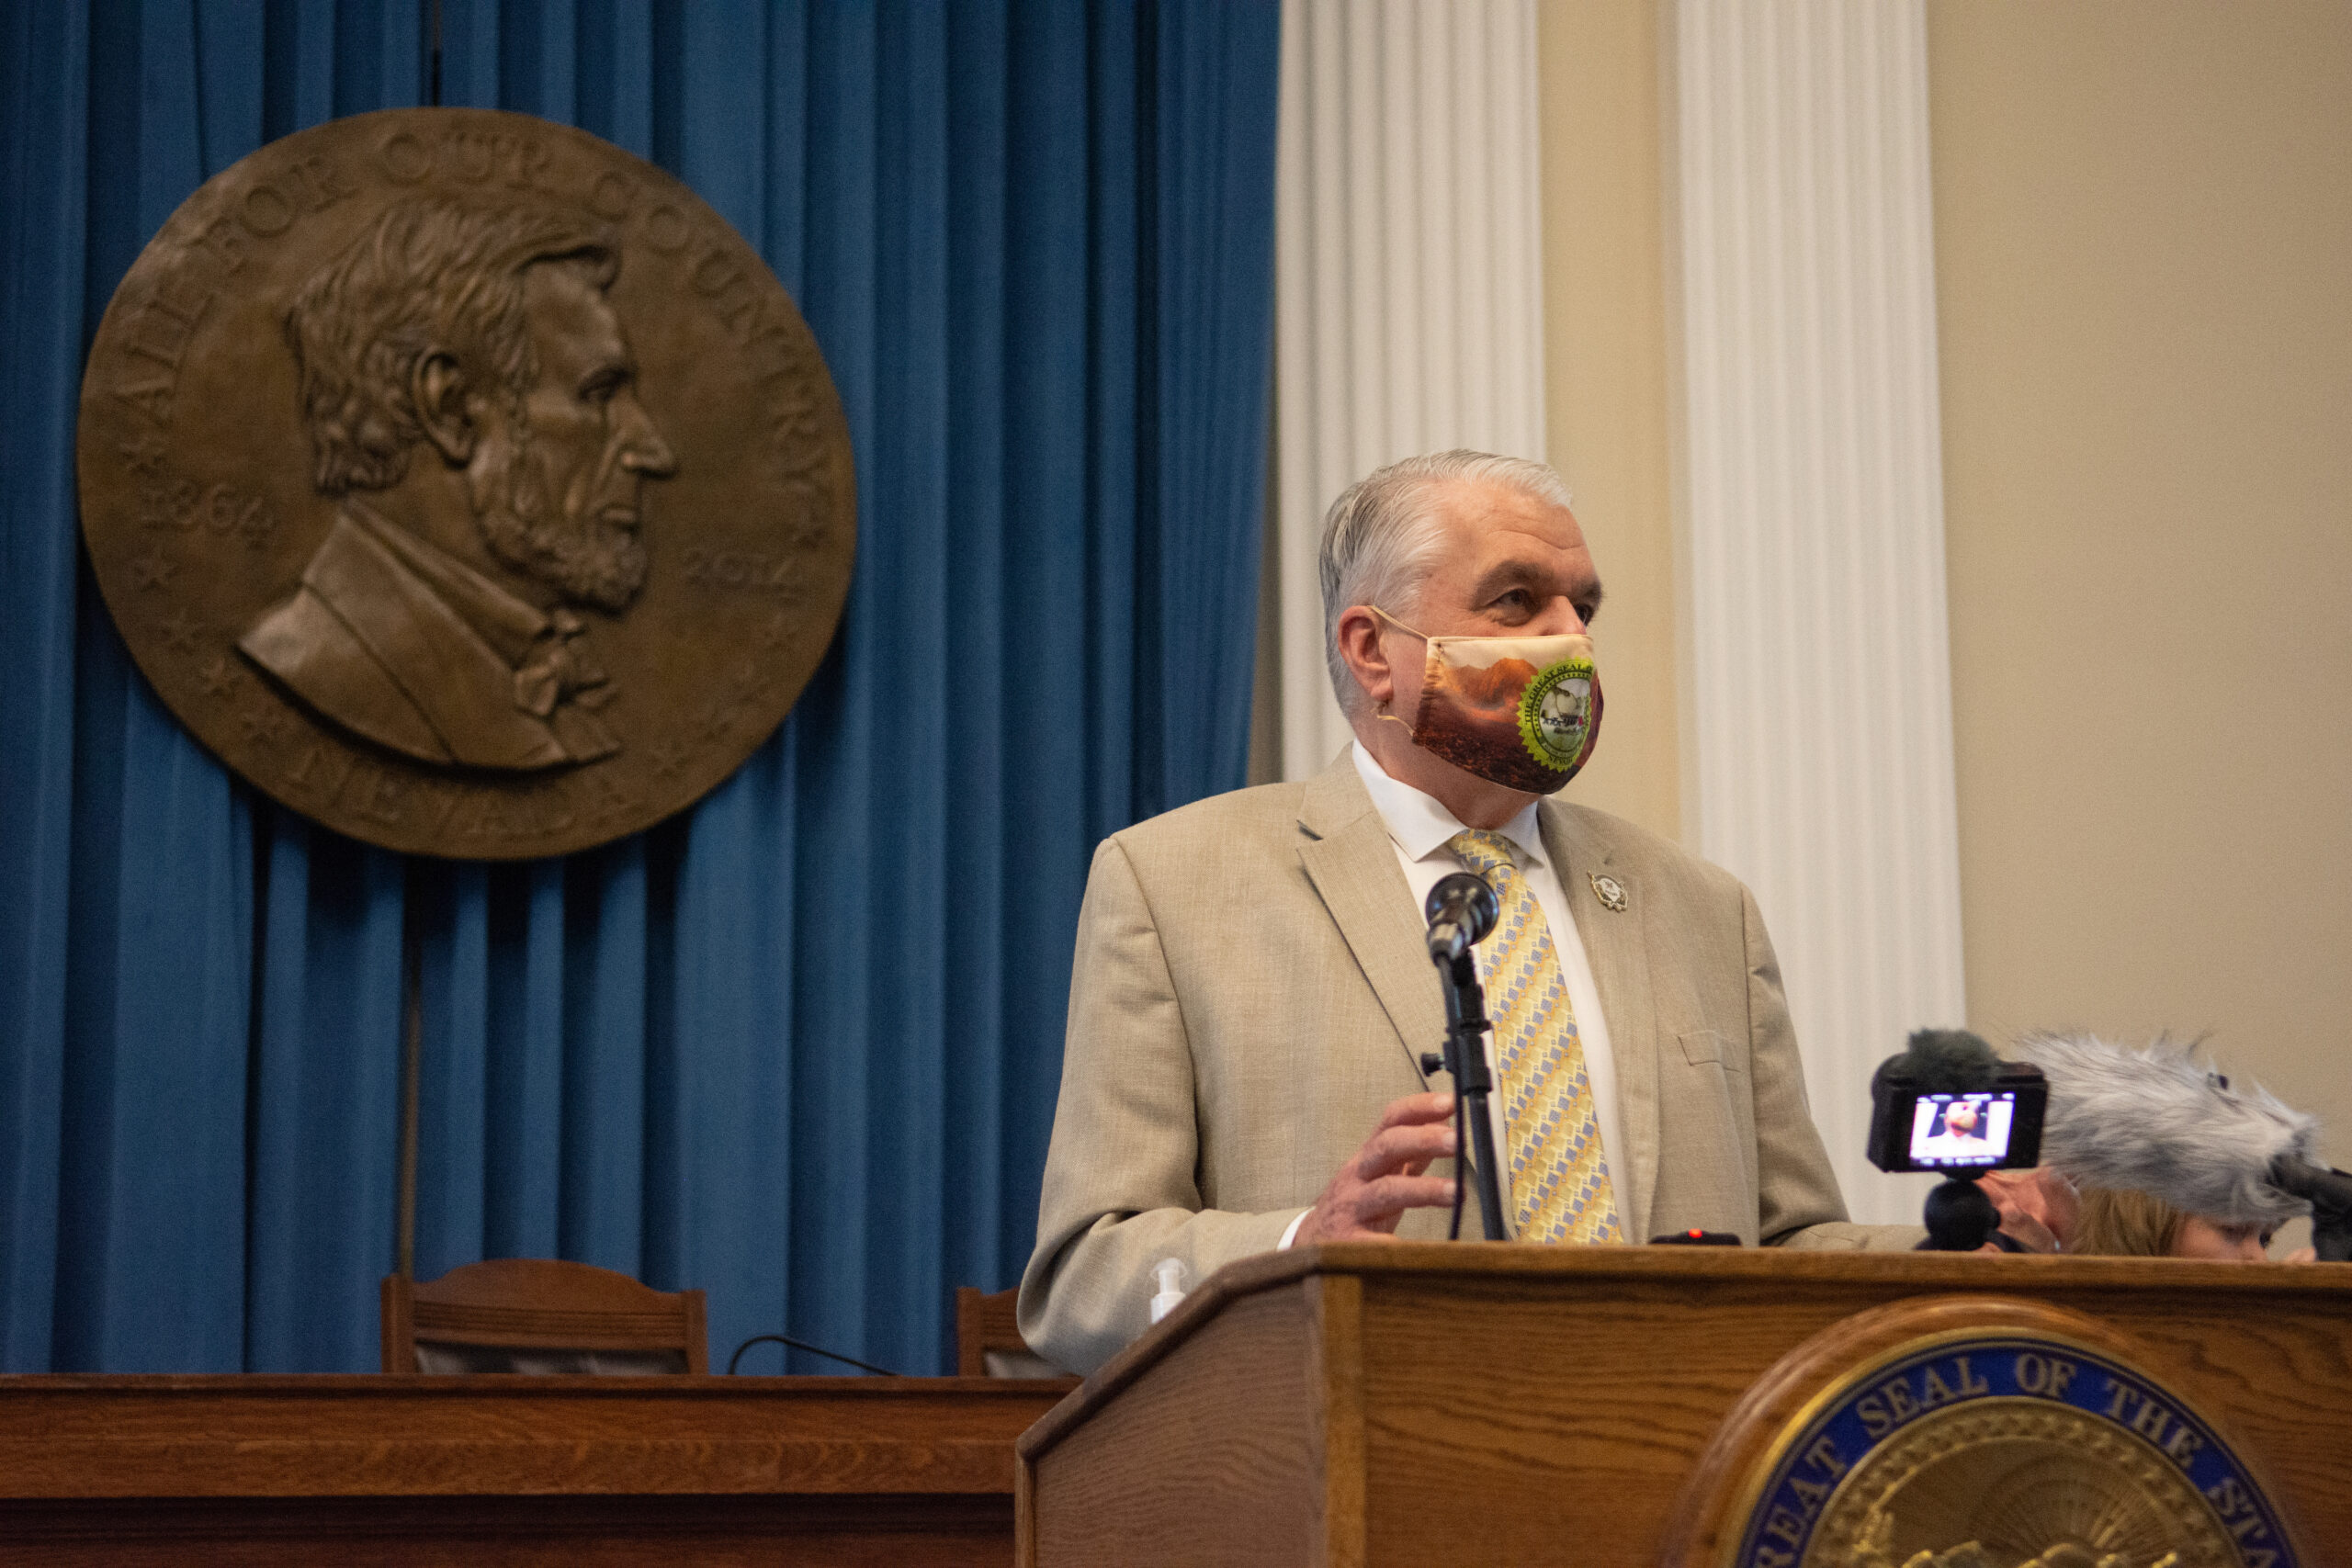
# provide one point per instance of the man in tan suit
(1252, 989)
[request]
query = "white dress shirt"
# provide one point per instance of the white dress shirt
(1419, 826)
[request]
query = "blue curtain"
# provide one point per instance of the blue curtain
(800, 1045)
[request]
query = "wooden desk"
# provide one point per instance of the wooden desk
(575, 1470)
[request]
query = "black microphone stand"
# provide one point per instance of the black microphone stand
(1466, 1059)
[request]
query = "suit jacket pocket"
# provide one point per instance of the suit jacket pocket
(1702, 1046)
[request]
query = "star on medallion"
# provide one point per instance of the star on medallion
(263, 726)
(750, 682)
(668, 758)
(220, 678)
(144, 454)
(179, 631)
(607, 801)
(154, 570)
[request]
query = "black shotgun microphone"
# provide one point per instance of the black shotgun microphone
(1460, 910)
(2322, 1188)
(2329, 1192)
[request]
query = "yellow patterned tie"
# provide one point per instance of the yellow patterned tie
(1559, 1173)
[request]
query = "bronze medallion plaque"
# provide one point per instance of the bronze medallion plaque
(464, 483)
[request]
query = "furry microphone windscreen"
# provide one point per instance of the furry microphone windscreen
(1947, 1061)
(2156, 1122)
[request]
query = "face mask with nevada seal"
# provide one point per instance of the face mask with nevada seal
(1522, 712)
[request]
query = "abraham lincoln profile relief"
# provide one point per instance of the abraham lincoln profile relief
(470, 404)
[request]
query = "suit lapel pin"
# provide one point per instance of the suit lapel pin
(1610, 891)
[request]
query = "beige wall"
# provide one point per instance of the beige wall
(2144, 245)
(1605, 391)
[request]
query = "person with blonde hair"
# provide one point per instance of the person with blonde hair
(2111, 1222)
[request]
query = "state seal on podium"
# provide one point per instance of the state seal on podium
(2031, 1439)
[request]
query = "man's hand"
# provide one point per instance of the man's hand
(1385, 1178)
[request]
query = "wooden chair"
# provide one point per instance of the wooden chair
(987, 1338)
(538, 1315)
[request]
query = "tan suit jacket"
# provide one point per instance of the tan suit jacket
(1252, 990)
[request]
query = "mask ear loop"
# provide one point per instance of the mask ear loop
(1383, 713)
(1393, 621)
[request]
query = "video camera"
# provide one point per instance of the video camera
(1949, 1105)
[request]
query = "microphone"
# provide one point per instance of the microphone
(1940, 1061)
(2155, 1121)
(1461, 910)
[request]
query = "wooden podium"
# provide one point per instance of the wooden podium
(1488, 1403)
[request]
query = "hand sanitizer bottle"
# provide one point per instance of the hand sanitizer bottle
(1170, 1273)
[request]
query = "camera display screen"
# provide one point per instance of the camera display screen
(1953, 1131)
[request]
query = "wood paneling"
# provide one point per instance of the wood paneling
(1207, 1465)
(881, 1531)
(583, 1471)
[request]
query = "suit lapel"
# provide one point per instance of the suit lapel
(1615, 946)
(1352, 862)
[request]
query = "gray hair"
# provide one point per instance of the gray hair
(1380, 538)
